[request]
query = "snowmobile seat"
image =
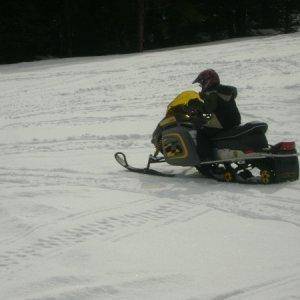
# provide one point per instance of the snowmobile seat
(248, 136)
(238, 131)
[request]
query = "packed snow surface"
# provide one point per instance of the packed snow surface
(75, 225)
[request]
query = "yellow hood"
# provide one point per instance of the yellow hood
(183, 99)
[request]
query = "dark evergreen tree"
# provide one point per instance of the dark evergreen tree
(35, 29)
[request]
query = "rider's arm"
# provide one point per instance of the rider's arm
(210, 101)
(222, 93)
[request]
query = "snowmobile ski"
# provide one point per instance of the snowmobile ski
(121, 159)
(225, 173)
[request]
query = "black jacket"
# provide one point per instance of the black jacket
(220, 101)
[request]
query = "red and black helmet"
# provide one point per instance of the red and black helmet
(207, 79)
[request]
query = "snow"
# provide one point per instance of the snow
(75, 225)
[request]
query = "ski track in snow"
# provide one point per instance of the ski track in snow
(65, 204)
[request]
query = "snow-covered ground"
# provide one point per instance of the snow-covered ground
(75, 225)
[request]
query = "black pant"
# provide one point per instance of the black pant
(204, 146)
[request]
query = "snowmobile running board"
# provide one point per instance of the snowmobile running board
(254, 156)
(121, 159)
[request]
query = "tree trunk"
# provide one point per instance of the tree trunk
(241, 18)
(287, 23)
(141, 22)
(68, 29)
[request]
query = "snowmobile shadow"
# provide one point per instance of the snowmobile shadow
(188, 187)
(190, 182)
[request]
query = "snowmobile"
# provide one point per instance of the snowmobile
(241, 154)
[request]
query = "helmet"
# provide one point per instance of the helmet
(207, 79)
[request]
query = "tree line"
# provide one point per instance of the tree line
(37, 29)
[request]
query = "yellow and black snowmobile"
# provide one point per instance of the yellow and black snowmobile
(241, 154)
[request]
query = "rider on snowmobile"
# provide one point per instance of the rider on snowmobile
(215, 100)
(219, 102)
